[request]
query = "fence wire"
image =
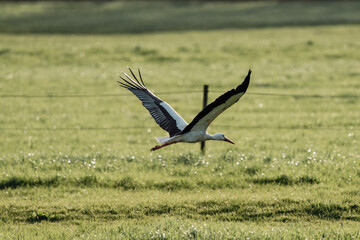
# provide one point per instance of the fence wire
(50, 95)
(150, 127)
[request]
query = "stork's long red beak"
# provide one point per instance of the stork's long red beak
(228, 140)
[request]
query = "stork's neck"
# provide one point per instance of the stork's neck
(217, 136)
(209, 136)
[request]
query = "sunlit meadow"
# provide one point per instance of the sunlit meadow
(74, 146)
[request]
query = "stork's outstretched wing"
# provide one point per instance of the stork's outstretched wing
(211, 111)
(164, 115)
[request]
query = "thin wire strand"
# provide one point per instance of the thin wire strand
(84, 95)
(169, 93)
(289, 128)
(296, 95)
(217, 126)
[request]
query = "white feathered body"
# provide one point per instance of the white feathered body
(189, 137)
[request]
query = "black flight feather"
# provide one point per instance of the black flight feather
(220, 100)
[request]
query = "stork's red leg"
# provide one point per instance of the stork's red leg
(160, 146)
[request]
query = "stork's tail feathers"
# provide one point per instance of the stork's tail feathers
(162, 139)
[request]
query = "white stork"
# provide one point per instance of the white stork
(173, 123)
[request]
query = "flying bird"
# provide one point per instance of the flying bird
(169, 120)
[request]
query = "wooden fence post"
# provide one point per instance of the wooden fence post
(205, 97)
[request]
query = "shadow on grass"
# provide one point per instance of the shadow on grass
(129, 183)
(140, 17)
(40, 217)
(286, 180)
(16, 182)
(284, 210)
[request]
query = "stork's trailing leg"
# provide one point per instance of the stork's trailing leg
(160, 146)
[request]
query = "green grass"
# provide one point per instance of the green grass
(80, 167)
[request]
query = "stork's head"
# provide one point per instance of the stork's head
(221, 137)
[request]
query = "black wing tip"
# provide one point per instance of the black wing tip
(123, 85)
(130, 83)
(243, 87)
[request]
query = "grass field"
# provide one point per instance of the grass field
(74, 147)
